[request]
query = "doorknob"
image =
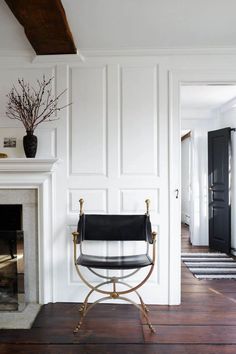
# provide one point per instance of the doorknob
(211, 188)
(176, 193)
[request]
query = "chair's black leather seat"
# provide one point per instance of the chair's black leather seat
(124, 262)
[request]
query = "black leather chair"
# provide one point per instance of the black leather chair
(114, 228)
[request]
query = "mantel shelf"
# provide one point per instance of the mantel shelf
(27, 165)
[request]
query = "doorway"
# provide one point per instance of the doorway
(186, 176)
(204, 107)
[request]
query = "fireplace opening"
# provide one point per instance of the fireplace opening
(12, 297)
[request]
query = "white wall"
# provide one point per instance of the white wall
(199, 178)
(114, 157)
(185, 180)
(132, 103)
(113, 147)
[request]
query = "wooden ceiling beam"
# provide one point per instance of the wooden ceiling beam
(45, 25)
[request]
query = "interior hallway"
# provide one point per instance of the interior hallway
(185, 241)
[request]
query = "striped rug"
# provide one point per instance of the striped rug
(210, 265)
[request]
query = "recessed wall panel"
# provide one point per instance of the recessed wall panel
(88, 121)
(95, 200)
(138, 121)
(133, 200)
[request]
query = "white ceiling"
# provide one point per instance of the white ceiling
(137, 24)
(203, 97)
(122, 24)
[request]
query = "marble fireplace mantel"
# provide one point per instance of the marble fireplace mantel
(33, 173)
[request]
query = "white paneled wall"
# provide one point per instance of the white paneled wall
(96, 200)
(113, 146)
(114, 150)
(132, 200)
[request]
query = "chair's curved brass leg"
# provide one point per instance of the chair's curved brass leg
(84, 307)
(142, 311)
(87, 309)
(118, 281)
(85, 303)
(144, 306)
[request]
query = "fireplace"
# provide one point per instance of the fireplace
(18, 178)
(11, 258)
(30, 182)
(19, 240)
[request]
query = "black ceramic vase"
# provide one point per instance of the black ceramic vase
(30, 143)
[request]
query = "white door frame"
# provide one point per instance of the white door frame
(193, 75)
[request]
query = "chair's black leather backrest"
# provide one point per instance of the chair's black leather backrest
(115, 227)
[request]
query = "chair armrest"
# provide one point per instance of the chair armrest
(154, 235)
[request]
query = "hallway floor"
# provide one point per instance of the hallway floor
(185, 241)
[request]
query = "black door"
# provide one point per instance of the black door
(218, 186)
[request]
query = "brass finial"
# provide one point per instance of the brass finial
(154, 235)
(75, 234)
(147, 201)
(81, 202)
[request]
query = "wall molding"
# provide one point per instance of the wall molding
(94, 52)
(62, 58)
(82, 53)
(27, 165)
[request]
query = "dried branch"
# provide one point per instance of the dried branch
(33, 106)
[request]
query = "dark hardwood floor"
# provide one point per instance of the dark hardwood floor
(205, 322)
(185, 242)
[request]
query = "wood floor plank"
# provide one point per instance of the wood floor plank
(117, 349)
(95, 332)
(191, 334)
(191, 318)
(223, 287)
(195, 307)
(195, 288)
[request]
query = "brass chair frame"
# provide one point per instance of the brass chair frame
(114, 293)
